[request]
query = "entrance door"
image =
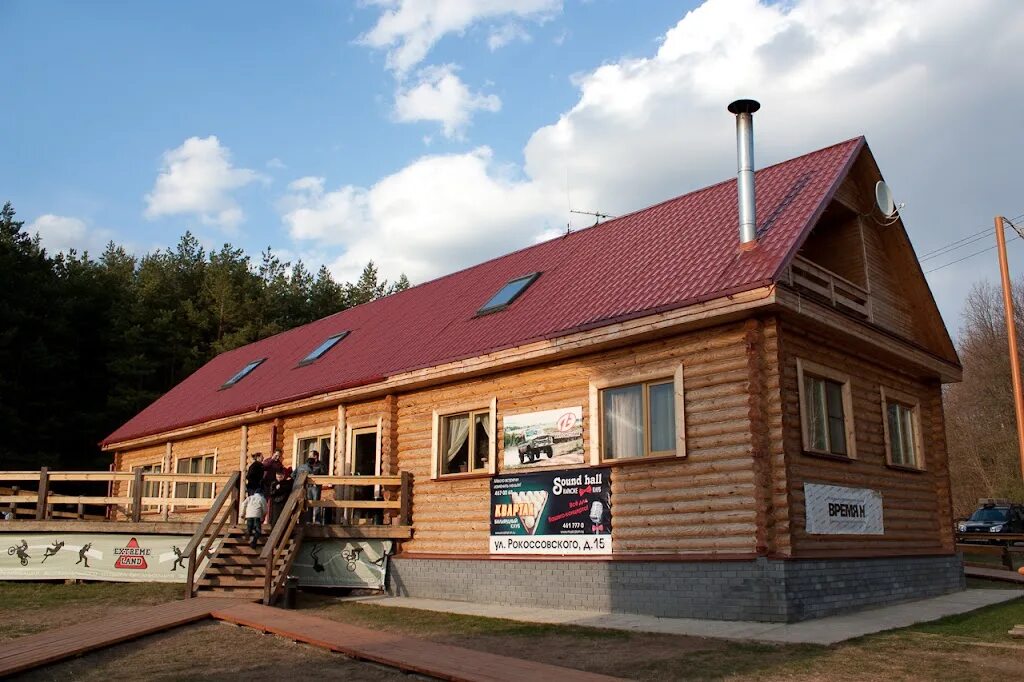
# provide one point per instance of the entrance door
(365, 462)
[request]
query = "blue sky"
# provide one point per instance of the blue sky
(432, 134)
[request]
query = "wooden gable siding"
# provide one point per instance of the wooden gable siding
(891, 308)
(916, 505)
(704, 503)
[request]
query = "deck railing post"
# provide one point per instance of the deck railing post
(81, 510)
(137, 496)
(405, 512)
(191, 576)
(14, 505)
(41, 497)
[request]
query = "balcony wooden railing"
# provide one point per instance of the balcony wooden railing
(391, 494)
(840, 292)
(40, 502)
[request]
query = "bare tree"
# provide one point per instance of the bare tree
(980, 423)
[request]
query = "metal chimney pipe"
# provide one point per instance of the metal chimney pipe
(744, 110)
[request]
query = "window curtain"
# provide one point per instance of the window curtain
(457, 432)
(624, 422)
(483, 445)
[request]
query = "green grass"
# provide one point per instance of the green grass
(19, 595)
(990, 623)
(433, 622)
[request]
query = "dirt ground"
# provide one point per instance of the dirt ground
(970, 647)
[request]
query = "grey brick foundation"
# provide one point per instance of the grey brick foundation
(762, 589)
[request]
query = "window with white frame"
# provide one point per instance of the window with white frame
(900, 414)
(638, 416)
(150, 488)
(203, 464)
(305, 446)
(464, 441)
(826, 410)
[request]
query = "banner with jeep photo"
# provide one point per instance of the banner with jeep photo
(552, 512)
(549, 438)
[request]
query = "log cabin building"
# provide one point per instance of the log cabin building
(767, 410)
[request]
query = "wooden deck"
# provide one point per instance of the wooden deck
(994, 574)
(410, 654)
(32, 651)
(399, 651)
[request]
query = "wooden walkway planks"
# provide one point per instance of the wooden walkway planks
(442, 661)
(994, 574)
(31, 651)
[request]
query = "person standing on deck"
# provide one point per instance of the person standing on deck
(280, 489)
(254, 475)
(270, 468)
(313, 492)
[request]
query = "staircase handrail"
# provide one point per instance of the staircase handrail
(280, 534)
(228, 492)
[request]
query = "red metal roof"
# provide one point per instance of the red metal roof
(673, 254)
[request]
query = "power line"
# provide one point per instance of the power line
(976, 253)
(962, 242)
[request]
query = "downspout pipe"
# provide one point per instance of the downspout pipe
(744, 110)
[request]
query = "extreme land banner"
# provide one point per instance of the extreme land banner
(552, 512)
(94, 556)
(342, 563)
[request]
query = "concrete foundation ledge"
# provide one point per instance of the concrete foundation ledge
(764, 590)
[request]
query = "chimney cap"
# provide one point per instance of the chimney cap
(744, 106)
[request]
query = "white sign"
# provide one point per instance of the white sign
(342, 563)
(835, 510)
(95, 556)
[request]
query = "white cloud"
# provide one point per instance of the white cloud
(438, 211)
(408, 29)
(276, 164)
(63, 233)
(500, 36)
(440, 95)
(198, 178)
(910, 74)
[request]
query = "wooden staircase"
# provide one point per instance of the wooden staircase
(235, 569)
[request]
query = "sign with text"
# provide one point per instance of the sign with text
(835, 510)
(543, 439)
(552, 512)
(95, 556)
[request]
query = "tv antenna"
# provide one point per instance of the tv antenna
(597, 216)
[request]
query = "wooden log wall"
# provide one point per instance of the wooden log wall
(916, 505)
(705, 503)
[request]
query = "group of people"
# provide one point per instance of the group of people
(268, 483)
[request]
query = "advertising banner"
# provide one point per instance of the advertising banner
(549, 438)
(835, 510)
(95, 556)
(342, 563)
(552, 512)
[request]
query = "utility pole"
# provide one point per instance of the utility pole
(1011, 335)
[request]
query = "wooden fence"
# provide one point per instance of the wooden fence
(1002, 547)
(42, 501)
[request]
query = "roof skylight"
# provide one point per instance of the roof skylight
(328, 344)
(242, 373)
(508, 293)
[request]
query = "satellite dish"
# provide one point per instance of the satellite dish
(883, 198)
